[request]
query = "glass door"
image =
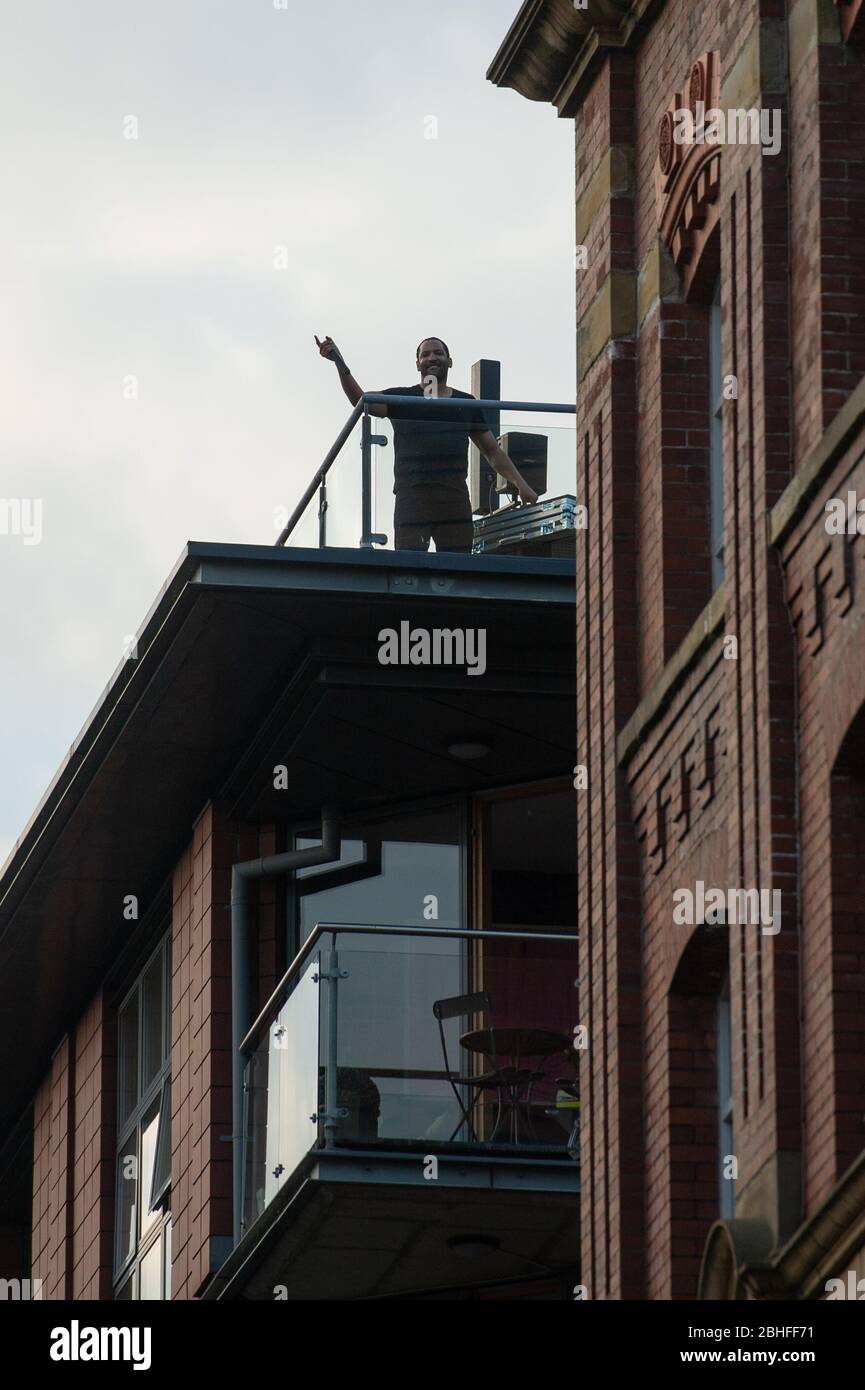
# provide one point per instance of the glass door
(525, 887)
(404, 871)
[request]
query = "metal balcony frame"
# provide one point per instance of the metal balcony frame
(330, 978)
(318, 482)
(281, 992)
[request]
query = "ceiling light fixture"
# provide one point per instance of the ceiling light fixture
(468, 749)
(472, 1246)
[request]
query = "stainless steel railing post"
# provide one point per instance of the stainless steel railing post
(331, 1086)
(366, 482)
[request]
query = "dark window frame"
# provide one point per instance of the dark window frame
(130, 1125)
(705, 292)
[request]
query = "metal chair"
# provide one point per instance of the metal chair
(496, 1079)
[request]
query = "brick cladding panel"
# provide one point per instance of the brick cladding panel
(50, 1141)
(201, 1199)
(73, 1164)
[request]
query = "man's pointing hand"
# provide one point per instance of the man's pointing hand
(327, 348)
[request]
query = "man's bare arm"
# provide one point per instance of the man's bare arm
(499, 461)
(328, 348)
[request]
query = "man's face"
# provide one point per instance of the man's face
(432, 359)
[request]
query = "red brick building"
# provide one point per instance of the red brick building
(720, 640)
(227, 933)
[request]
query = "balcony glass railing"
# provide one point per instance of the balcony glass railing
(332, 516)
(560, 458)
(353, 505)
(412, 1040)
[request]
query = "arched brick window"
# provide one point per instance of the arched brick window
(692, 377)
(700, 1101)
(688, 198)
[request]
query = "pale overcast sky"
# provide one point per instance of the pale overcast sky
(152, 265)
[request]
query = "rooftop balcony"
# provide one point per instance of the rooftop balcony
(355, 506)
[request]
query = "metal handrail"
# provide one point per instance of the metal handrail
(362, 408)
(470, 403)
(281, 991)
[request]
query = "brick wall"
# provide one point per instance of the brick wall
(790, 265)
(827, 219)
(805, 241)
(680, 791)
(825, 586)
(606, 650)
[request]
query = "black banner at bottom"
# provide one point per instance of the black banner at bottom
(58, 1340)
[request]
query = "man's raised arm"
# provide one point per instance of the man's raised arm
(328, 348)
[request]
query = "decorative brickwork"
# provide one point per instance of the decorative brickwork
(688, 176)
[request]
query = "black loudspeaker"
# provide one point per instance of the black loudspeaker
(529, 453)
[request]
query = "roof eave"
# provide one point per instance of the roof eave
(553, 50)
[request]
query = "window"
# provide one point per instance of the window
(725, 1102)
(142, 1259)
(401, 867)
(386, 869)
(716, 443)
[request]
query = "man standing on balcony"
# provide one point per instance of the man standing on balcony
(431, 453)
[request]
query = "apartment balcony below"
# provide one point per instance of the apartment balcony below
(411, 1117)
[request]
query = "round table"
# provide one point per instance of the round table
(515, 1043)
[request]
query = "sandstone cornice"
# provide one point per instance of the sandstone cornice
(552, 49)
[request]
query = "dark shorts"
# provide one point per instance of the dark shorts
(425, 512)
